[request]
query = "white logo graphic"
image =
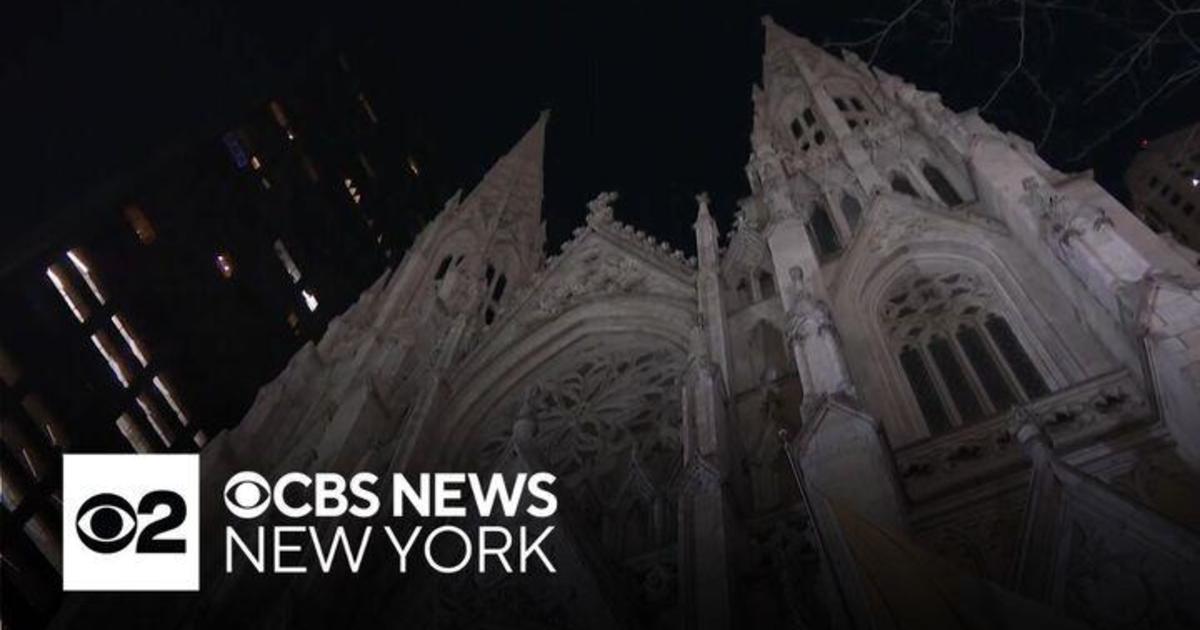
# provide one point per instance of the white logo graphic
(131, 522)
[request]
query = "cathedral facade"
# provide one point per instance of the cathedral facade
(925, 381)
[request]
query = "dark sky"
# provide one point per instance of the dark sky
(649, 98)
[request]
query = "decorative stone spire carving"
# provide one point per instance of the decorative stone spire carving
(600, 211)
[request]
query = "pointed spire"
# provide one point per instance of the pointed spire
(531, 146)
(780, 39)
(513, 186)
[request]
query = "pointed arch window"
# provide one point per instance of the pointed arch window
(823, 234)
(498, 288)
(766, 284)
(941, 185)
(961, 357)
(851, 210)
(494, 285)
(1020, 363)
(961, 392)
(443, 267)
(901, 185)
(984, 364)
(922, 385)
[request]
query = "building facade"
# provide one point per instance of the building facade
(1164, 185)
(982, 374)
(146, 318)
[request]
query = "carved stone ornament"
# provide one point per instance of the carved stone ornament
(600, 211)
(1062, 218)
(808, 317)
(613, 275)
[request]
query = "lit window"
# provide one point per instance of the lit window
(281, 119)
(353, 190)
(293, 321)
(255, 163)
(225, 264)
(163, 389)
(286, 258)
(160, 427)
(366, 105)
(129, 340)
(76, 259)
(412, 166)
(266, 183)
(105, 346)
(67, 292)
(140, 224)
(310, 300)
(133, 434)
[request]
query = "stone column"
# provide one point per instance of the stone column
(811, 329)
(708, 288)
(706, 524)
(843, 451)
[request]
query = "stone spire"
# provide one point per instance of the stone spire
(507, 202)
(781, 42)
(513, 186)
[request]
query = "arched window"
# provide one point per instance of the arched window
(901, 185)
(940, 185)
(494, 288)
(824, 236)
(959, 354)
(1020, 363)
(443, 267)
(498, 288)
(851, 210)
(766, 284)
(797, 128)
(924, 389)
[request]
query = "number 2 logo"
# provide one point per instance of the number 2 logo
(107, 523)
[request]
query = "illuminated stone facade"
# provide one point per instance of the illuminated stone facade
(986, 371)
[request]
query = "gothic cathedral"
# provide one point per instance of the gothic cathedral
(925, 381)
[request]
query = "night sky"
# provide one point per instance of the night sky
(652, 101)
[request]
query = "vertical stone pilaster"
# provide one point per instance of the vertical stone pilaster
(708, 288)
(706, 520)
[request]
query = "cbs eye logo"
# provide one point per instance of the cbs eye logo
(247, 495)
(131, 522)
(107, 523)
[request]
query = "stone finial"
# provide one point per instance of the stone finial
(600, 211)
(703, 200)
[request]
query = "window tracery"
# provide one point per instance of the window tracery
(956, 349)
(607, 423)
